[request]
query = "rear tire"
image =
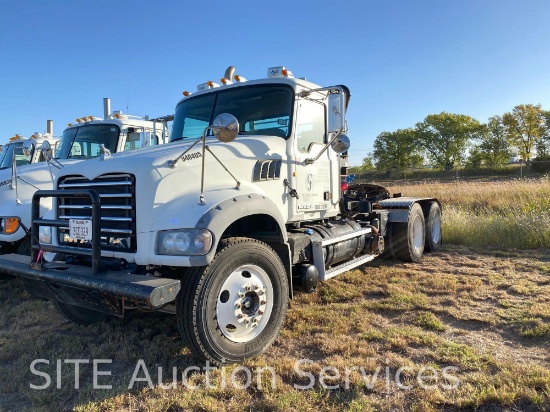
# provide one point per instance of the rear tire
(79, 315)
(433, 228)
(233, 309)
(407, 239)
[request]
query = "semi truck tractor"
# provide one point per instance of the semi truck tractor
(88, 137)
(221, 225)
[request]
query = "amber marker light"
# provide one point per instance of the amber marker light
(285, 72)
(10, 225)
(186, 93)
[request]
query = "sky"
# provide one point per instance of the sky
(402, 60)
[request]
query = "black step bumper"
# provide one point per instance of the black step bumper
(107, 292)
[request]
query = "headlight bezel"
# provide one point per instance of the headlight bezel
(183, 242)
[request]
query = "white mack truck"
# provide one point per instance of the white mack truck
(87, 138)
(218, 226)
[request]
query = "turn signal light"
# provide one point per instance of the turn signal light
(10, 225)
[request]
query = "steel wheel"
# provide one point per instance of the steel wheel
(245, 303)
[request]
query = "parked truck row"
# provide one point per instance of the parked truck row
(246, 203)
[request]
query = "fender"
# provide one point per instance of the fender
(220, 217)
(400, 206)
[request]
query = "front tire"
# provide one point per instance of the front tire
(233, 309)
(79, 315)
(24, 247)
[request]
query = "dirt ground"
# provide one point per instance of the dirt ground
(484, 313)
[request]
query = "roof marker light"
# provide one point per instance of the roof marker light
(208, 85)
(91, 118)
(225, 81)
(78, 120)
(279, 71)
(69, 124)
(186, 93)
(239, 79)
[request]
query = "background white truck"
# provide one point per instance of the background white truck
(82, 140)
(14, 148)
(219, 225)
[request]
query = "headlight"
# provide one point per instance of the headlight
(9, 225)
(45, 234)
(184, 242)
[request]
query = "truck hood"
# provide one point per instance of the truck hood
(168, 197)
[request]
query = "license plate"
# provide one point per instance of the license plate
(80, 229)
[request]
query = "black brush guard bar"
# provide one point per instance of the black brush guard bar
(94, 252)
(93, 288)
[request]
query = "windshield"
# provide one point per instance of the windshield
(262, 110)
(8, 153)
(83, 142)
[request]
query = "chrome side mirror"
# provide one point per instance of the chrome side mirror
(28, 146)
(105, 153)
(341, 144)
(225, 127)
(47, 150)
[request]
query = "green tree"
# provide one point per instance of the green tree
(475, 159)
(494, 147)
(446, 136)
(543, 144)
(525, 124)
(396, 150)
(366, 166)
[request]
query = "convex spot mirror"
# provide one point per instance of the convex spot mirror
(28, 147)
(225, 127)
(341, 144)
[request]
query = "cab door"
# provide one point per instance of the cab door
(312, 181)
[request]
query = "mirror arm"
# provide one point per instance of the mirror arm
(14, 177)
(310, 161)
(174, 163)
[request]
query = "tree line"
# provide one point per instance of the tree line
(448, 140)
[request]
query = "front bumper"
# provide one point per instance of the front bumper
(109, 292)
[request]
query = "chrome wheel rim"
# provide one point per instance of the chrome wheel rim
(436, 228)
(418, 233)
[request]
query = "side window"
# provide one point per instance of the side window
(310, 125)
(133, 141)
(21, 159)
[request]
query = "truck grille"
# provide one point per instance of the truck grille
(118, 205)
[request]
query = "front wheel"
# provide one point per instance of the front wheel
(234, 308)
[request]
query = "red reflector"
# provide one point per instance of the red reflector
(344, 186)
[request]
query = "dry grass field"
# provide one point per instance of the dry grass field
(466, 329)
(504, 214)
